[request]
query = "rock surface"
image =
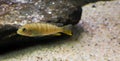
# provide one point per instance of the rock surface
(29, 11)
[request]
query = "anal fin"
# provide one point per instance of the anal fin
(57, 34)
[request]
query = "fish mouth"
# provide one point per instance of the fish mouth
(20, 33)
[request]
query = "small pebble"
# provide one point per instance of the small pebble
(93, 6)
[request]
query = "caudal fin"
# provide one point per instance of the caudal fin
(67, 30)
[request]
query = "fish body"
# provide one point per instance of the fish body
(41, 29)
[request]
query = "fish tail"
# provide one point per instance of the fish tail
(67, 30)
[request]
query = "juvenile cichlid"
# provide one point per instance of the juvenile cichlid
(42, 29)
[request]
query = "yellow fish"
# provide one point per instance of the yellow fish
(42, 29)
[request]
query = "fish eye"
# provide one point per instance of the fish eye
(24, 29)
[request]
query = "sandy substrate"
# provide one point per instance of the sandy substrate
(100, 40)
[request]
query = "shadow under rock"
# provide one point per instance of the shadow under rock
(17, 42)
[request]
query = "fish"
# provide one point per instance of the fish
(42, 29)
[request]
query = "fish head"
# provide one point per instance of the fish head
(25, 31)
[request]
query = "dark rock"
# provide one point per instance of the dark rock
(61, 12)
